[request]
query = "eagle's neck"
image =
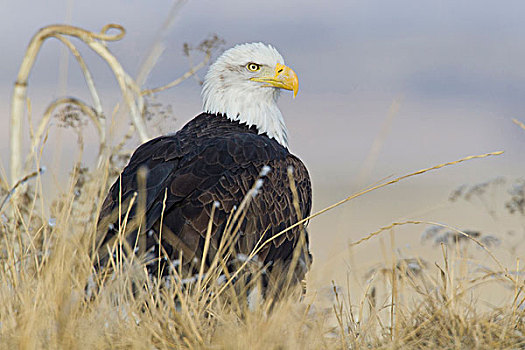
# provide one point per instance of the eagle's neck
(254, 106)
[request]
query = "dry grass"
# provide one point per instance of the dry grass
(46, 265)
(46, 254)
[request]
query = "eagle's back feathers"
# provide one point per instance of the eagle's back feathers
(210, 161)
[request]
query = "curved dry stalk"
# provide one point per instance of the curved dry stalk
(373, 188)
(158, 46)
(18, 184)
(118, 148)
(520, 124)
(128, 88)
(183, 77)
(256, 250)
(137, 97)
(421, 222)
(97, 109)
(96, 41)
(46, 118)
(87, 74)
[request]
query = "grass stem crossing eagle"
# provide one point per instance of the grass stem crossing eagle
(196, 179)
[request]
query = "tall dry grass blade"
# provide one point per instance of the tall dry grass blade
(373, 188)
(229, 236)
(19, 183)
(257, 249)
(300, 247)
(161, 226)
(416, 222)
(157, 48)
(122, 232)
(180, 79)
(394, 294)
(520, 124)
(88, 77)
(377, 144)
(206, 247)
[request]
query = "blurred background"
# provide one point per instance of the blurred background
(386, 88)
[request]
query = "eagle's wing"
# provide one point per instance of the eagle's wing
(183, 183)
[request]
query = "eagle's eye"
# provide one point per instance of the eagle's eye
(253, 67)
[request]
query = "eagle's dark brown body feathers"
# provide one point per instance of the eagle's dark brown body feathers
(212, 159)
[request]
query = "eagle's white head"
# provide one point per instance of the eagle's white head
(244, 85)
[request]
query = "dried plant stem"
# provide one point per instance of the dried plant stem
(158, 45)
(378, 143)
(179, 80)
(128, 87)
(373, 188)
(96, 42)
(257, 249)
(44, 122)
(206, 247)
(87, 74)
(419, 222)
(520, 124)
(18, 184)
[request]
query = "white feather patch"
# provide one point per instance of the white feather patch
(229, 91)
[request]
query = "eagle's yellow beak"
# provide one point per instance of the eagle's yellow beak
(284, 78)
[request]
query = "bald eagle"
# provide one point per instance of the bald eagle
(196, 179)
